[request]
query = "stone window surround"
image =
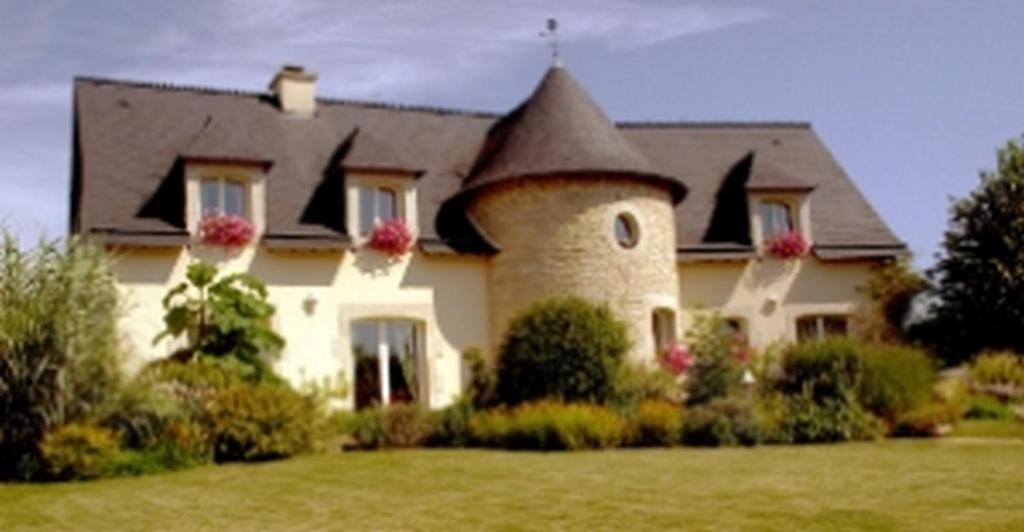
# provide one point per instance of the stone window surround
(402, 184)
(625, 208)
(249, 174)
(799, 207)
(431, 385)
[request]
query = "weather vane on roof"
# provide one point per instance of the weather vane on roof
(552, 34)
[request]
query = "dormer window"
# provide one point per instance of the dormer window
(377, 204)
(220, 195)
(776, 219)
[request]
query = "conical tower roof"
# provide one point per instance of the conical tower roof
(560, 130)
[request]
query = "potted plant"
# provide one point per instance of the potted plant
(787, 245)
(227, 230)
(392, 237)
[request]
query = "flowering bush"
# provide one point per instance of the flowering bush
(677, 359)
(227, 230)
(787, 245)
(392, 237)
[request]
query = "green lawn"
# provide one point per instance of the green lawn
(951, 484)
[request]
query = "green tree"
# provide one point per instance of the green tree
(229, 317)
(979, 277)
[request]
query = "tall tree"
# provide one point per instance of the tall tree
(979, 277)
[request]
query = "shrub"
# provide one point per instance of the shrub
(716, 369)
(895, 380)
(481, 377)
(724, 421)
(634, 384)
(397, 425)
(566, 349)
(260, 422)
(656, 423)
(825, 369)
(998, 373)
(79, 452)
(58, 344)
(815, 419)
(986, 407)
(142, 415)
(932, 419)
(451, 426)
(549, 425)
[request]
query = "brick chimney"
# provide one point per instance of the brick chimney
(295, 90)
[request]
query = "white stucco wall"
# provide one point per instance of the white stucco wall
(448, 295)
(770, 294)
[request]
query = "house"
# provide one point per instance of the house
(551, 198)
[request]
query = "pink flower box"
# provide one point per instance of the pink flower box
(392, 237)
(226, 230)
(788, 245)
(677, 359)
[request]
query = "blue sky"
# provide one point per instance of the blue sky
(912, 96)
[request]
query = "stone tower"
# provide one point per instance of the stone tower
(575, 209)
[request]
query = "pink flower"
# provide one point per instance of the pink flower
(787, 245)
(677, 359)
(392, 237)
(227, 230)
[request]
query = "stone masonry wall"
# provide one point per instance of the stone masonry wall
(557, 238)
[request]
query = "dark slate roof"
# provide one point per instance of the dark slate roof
(559, 130)
(766, 178)
(363, 151)
(131, 140)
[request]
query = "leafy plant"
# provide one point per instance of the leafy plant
(716, 368)
(228, 317)
(59, 358)
(986, 407)
(567, 349)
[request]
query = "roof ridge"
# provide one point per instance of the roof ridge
(711, 124)
(218, 91)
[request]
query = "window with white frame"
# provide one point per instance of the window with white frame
(377, 204)
(776, 218)
(821, 326)
(387, 357)
(219, 195)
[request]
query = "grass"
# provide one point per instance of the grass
(892, 485)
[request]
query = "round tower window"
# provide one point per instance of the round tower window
(627, 234)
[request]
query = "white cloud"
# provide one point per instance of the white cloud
(394, 46)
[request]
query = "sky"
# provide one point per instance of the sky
(913, 97)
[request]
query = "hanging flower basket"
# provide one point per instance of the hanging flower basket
(226, 230)
(788, 245)
(677, 359)
(392, 237)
